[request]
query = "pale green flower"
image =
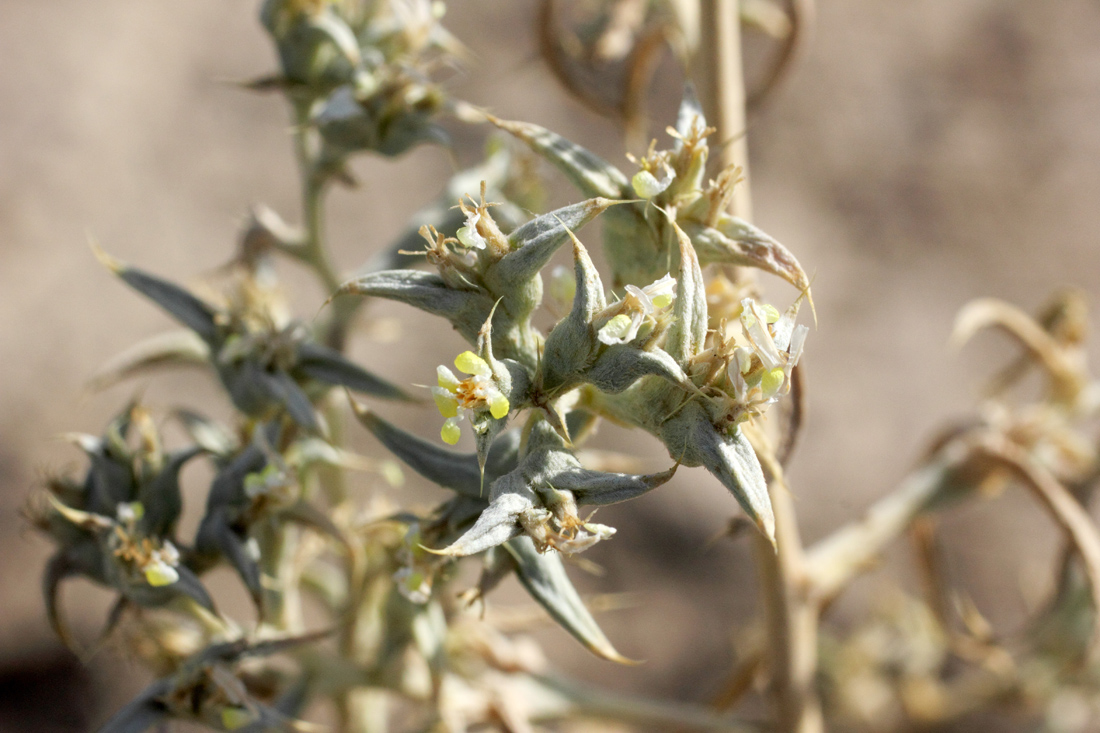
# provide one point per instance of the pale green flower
(456, 398)
(636, 307)
(160, 567)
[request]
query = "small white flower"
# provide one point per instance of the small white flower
(638, 305)
(130, 512)
(160, 568)
(761, 371)
(468, 235)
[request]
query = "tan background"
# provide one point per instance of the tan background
(923, 154)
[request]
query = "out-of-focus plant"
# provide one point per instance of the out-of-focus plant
(681, 347)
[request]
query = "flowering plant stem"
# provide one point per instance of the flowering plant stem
(790, 615)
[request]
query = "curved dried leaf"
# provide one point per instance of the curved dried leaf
(555, 698)
(175, 348)
(736, 242)
(543, 576)
(592, 175)
(1064, 509)
(1043, 347)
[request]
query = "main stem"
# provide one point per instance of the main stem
(791, 614)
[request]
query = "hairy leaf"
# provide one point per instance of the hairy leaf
(543, 575)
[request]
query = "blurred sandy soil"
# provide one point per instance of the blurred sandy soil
(923, 154)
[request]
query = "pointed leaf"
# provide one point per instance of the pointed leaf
(572, 343)
(330, 366)
(286, 391)
(466, 310)
(692, 439)
(592, 175)
(689, 327)
(600, 488)
(211, 436)
(227, 489)
(456, 471)
(690, 115)
(536, 241)
(498, 523)
(58, 568)
(310, 516)
(110, 483)
(180, 304)
(193, 588)
(216, 535)
(543, 575)
(161, 498)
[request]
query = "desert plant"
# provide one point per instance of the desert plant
(682, 347)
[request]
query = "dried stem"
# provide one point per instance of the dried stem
(790, 616)
(718, 74)
(833, 562)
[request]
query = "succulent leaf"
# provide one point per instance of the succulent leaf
(161, 498)
(572, 343)
(536, 241)
(621, 365)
